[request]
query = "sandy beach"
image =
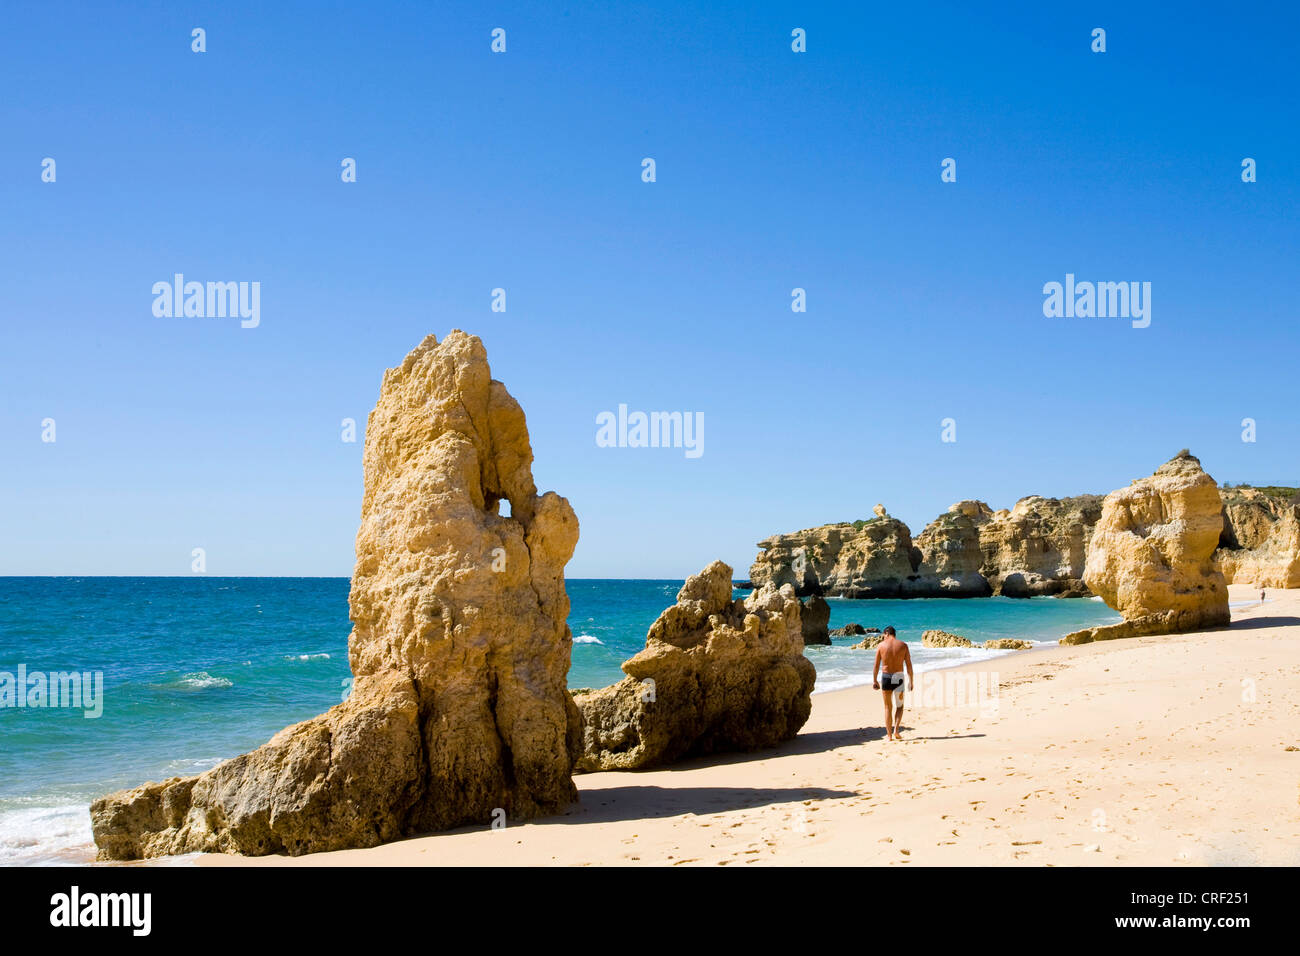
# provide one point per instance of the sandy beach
(1171, 750)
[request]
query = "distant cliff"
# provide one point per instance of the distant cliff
(1260, 543)
(1038, 547)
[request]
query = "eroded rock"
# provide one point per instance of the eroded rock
(871, 558)
(815, 618)
(460, 648)
(1260, 543)
(1037, 548)
(937, 638)
(1040, 546)
(849, 630)
(1152, 555)
(950, 554)
(715, 675)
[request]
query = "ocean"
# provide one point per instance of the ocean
(196, 670)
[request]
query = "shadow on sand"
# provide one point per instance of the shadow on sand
(613, 804)
(632, 801)
(1251, 623)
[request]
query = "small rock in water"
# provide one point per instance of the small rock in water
(849, 630)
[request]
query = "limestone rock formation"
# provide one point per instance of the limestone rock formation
(1260, 544)
(950, 554)
(1039, 547)
(868, 643)
(1007, 644)
(815, 619)
(852, 629)
(938, 638)
(1152, 555)
(459, 648)
(715, 675)
(872, 558)
(879, 511)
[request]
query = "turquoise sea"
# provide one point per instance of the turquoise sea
(196, 670)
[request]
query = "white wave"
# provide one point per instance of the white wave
(306, 657)
(51, 835)
(202, 680)
(839, 668)
(587, 639)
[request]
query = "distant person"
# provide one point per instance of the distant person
(893, 655)
(1261, 597)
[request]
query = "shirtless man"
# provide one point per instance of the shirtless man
(894, 655)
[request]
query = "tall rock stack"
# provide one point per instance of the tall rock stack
(715, 675)
(459, 649)
(1152, 555)
(815, 621)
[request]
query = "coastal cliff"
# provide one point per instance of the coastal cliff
(1040, 546)
(1036, 548)
(1260, 544)
(863, 559)
(459, 709)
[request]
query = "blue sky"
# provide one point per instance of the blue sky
(522, 170)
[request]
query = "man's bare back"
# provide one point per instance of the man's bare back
(892, 653)
(892, 656)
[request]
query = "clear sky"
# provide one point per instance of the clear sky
(523, 170)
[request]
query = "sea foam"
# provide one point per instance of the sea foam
(46, 835)
(201, 680)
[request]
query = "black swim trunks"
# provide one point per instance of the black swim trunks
(891, 682)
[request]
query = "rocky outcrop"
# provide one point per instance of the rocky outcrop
(849, 630)
(1152, 555)
(943, 639)
(815, 619)
(715, 675)
(1039, 547)
(950, 554)
(1260, 543)
(1007, 644)
(459, 649)
(872, 558)
(868, 643)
